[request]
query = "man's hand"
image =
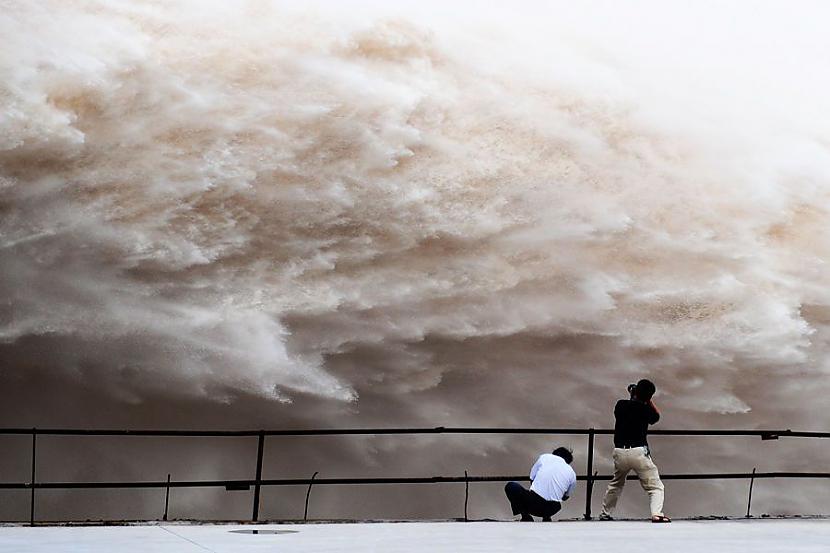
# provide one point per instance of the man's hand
(655, 414)
(565, 497)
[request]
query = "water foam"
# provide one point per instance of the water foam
(270, 199)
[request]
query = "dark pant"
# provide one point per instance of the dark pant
(527, 502)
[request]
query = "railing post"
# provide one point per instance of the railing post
(749, 501)
(34, 465)
(166, 497)
(258, 478)
(589, 475)
(308, 494)
(466, 494)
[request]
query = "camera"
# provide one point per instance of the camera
(631, 388)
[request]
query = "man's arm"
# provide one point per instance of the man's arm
(535, 468)
(655, 413)
(571, 489)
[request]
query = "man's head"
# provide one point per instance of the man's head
(644, 390)
(565, 453)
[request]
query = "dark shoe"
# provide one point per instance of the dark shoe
(604, 516)
(660, 519)
(527, 518)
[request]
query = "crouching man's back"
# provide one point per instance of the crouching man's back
(553, 481)
(553, 478)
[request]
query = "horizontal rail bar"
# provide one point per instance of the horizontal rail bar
(387, 431)
(380, 480)
(181, 433)
(762, 433)
(295, 432)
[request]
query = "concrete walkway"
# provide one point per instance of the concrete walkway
(757, 536)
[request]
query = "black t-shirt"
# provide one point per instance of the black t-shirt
(633, 418)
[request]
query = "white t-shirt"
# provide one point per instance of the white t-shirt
(552, 477)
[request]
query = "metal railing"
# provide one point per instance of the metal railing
(258, 482)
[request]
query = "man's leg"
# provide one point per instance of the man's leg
(615, 486)
(551, 508)
(650, 481)
(517, 495)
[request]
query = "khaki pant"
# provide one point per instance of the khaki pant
(636, 459)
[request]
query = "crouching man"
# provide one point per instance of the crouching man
(553, 482)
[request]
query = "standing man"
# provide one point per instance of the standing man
(553, 482)
(631, 451)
